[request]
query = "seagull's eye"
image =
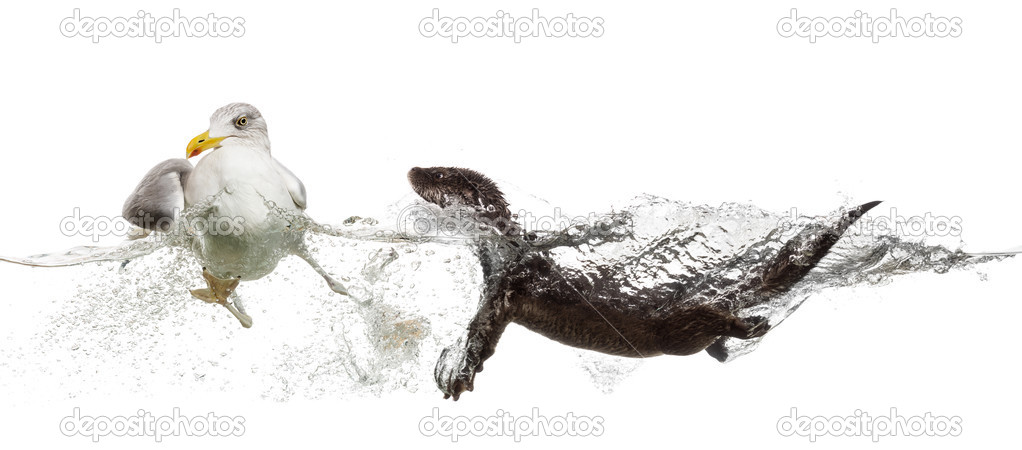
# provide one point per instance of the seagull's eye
(242, 121)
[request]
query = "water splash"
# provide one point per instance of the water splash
(128, 327)
(658, 248)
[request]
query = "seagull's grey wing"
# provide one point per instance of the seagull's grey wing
(294, 185)
(159, 197)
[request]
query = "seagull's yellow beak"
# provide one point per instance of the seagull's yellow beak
(202, 143)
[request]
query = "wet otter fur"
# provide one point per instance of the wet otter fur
(583, 311)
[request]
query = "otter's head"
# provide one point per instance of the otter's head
(446, 186)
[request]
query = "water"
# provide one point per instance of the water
(127, 328)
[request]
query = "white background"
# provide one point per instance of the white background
(698, 103)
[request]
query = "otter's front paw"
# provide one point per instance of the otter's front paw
(454, 373)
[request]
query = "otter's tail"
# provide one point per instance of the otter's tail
(800, 254)
(1004, 253)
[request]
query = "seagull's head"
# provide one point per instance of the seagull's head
(234, 124)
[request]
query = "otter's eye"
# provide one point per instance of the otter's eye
(439, 175)
(242, 121)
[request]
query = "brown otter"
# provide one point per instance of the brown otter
(587, 310)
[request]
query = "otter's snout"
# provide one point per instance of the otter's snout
(415, 176)
(420, 180)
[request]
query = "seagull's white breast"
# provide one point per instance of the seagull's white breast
(240, 180)
(246, 175)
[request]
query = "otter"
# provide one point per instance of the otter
(585, 310)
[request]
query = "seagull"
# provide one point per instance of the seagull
(244, 196)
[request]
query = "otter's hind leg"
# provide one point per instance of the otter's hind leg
(718, 349)
(751, 328)
(696, 328)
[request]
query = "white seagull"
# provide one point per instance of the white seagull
(242, 234)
